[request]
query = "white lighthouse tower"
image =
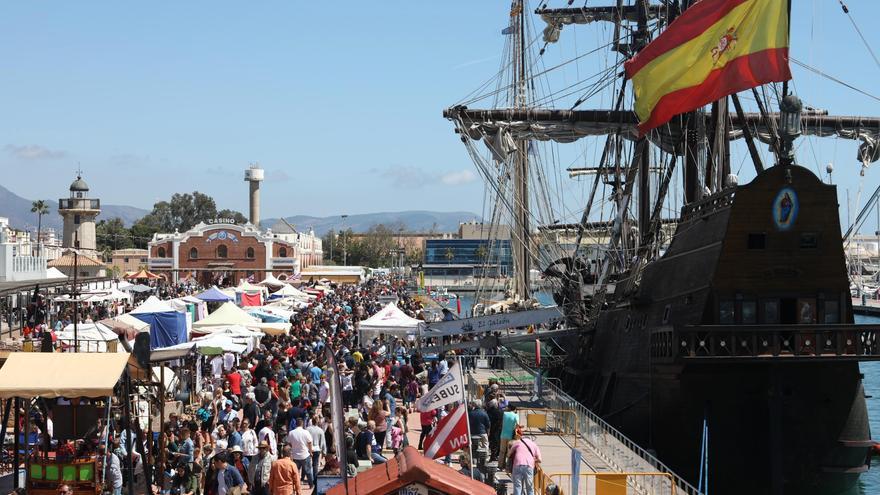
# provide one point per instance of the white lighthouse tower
(79, 212)
(254, 175)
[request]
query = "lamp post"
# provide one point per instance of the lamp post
(789, 126)
(344, 243)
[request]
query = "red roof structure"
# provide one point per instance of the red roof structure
(142, 274)
(409, 467)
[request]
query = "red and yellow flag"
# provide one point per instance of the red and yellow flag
(714, 49)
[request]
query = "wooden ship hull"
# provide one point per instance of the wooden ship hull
(744, 324)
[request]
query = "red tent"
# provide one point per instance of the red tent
(142, 274)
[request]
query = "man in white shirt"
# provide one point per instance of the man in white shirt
(267, 434)
(300, 442)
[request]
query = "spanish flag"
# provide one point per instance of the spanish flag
(714, 49)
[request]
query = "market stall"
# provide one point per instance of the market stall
(167, 325)
(391, 321)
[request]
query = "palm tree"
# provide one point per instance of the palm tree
(40, 208)
(450, 254)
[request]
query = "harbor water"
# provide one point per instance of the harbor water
(869, 483)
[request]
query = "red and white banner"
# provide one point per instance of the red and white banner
(450, 434)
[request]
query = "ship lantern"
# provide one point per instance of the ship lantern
(790, 113)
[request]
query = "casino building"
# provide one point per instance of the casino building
(221, 252)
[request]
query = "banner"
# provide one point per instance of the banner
(494, 323)
(336, 414)
(450, 434)
(446, 391)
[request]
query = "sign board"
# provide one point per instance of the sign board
(413, 489)
(483, 363)
(494, 323)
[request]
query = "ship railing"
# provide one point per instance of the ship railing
(605, 441)
(761, 342)
(708, 204)
(655, 482)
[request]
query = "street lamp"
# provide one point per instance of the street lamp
(789, 126)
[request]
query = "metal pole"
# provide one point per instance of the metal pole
(162, 425)
(16, 445)
(129, 441)
(75, 293)
(467, 420)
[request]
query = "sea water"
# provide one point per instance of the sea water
(869, 482)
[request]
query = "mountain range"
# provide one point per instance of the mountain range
(411, 221)
(18, 210)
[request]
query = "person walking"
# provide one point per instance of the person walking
(319, 444)
(284, 476)
(300, 442)
(523, 455)
(509, 422)
(260, 469)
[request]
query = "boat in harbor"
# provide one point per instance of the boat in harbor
(721, 337)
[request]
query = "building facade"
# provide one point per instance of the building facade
(309, 246)
(79, 212)
(20, 259)
(128, 260)
(223, 254)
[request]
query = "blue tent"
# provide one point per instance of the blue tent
(214, 295)
(167, 325)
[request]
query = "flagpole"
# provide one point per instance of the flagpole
(466, 416)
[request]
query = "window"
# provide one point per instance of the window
(161, 252)
(806, 308)
(749, 312)
(79, 195)
(250, 253)
(771, 311)
(832, 312)
(727, 312)
(83, 274)
(666, 311)
(282, 252)
(193, 254)
(125, 260)
(221, 251)
(76, 219)
(757, 241)
(809, 240)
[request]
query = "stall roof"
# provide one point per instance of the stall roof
(391, 320)
(51, 375)
(214, 295)
(410, 467)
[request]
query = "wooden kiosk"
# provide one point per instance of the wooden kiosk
(29, 375)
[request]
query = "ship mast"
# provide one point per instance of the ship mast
(521, 236)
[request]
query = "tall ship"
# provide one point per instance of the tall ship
(715, 320)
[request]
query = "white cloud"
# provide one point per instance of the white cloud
(458, 178)
(34, 152)
(407, 176)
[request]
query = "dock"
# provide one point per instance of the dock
(610, 463)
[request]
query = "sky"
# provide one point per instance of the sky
(341, 104)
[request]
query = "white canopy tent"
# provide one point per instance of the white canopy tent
(391, 321)
(89, 337)
(153, 305)
(229, 314)
(271, 281)
(290, 291)
(210, 345)
(53, 272)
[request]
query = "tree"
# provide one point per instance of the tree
(450, 254)
(481, 253)
(40, 208)
(235, 215)
(113, 235)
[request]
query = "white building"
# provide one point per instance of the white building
(309, 246)
(17, 259)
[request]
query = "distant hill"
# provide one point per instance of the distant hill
(18, 210)
(412, 221)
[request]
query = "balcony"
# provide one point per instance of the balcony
(766, 343)
(79, 204)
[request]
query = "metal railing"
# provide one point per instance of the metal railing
(654, 482)
(612, 446)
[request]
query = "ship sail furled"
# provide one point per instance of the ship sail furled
(714, 49)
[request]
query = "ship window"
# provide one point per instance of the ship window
(806, 310)
(221, 251)
(832, 312)
(161, 252)
(193, 254)
(809, 240)
(666, 312)
(250, 253)
(757, 241)
(749, 312)
(771, 312)
(727, 312)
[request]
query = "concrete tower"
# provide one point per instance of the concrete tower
(79, 212)
(254, 175)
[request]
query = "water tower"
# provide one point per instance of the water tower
(254, 175)
(79, 212)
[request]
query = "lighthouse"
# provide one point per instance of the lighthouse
(79, 212)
